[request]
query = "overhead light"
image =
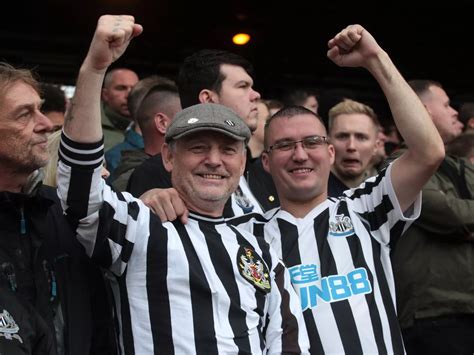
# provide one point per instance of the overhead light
(241, 39)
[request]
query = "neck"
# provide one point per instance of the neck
(300, 209)
(153, 144)
(256, 149)
(208, 208)
(350, 181)
(12, 182)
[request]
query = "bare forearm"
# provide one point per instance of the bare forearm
(412, 119)
(83, 122)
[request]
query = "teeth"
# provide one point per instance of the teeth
(305, 170)
(211, 176)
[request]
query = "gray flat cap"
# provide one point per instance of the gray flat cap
(207, 117)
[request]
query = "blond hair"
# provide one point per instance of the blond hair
(348, 106)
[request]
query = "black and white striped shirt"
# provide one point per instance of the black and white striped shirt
(339, 261)
(201, 288)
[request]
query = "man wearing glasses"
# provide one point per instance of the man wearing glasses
(338, 249)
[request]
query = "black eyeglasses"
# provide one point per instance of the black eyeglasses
(311, 142)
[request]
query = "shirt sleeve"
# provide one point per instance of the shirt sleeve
(376, 203)
(106, 223)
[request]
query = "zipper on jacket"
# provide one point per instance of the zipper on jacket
(9, 272)
(51, 277)
(22, 221)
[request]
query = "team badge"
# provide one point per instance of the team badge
(8, 327)
(252, 268)
(342, 227)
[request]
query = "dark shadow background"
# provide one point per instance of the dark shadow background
(288, 48)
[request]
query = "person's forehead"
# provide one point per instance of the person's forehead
(438, 93)
(297, 126)
(20, 93)
(353, 122)
(124, 76)
(235, 73)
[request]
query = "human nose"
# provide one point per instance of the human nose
(454, 111)
(213, 157)
(299, 151)
(254, 94)
(351, 143)
(43, 122)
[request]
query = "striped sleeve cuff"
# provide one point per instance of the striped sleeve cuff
(81, 155)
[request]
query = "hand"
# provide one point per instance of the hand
(166, 203)
(111, 38)
(353, 47)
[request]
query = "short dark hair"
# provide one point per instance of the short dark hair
(297, 97)
(156, 99)
(201, 70)
(142, 88)
(54, 98)
(422, 86)
(288, 112)
(466, 111)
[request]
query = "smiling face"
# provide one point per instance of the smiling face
(24, 129)
(237, 94)
(300, 174)
(205, 169)
(354, 137)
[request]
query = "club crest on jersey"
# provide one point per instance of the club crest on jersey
(8, 327)
(253, 269)
(342, 227)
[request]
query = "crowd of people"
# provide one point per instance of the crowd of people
(194, 216)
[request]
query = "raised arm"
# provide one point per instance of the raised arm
(355, 47)
(111, 38)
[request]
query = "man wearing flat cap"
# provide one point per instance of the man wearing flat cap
(200, 288)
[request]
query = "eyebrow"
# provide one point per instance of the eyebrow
(29, 106)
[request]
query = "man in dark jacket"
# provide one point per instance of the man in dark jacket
(47, 285)
(433, 262)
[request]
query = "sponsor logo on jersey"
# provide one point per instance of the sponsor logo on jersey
(341, 227)
(312, 288)
(8, 327)
(253, 269)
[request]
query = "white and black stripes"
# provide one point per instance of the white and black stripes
(180, 286)
(339, 261)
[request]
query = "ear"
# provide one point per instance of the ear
(208, 96)
(161, 122)
(377, 145)
(266, 162)
(470, 123)
(167, 157)
(427, 108)
(244, 161)
(105, 95)
(332, 153)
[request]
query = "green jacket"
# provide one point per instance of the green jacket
(113, 126)
(433, 263)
